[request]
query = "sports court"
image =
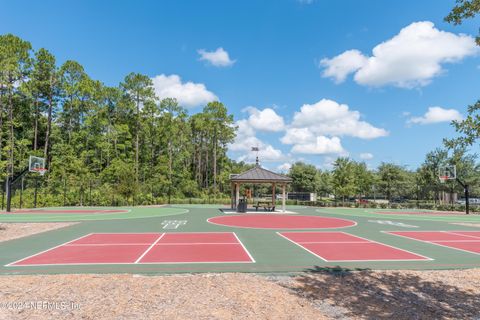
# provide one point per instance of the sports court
(468, 241)
(204, 239)
(144, 248)
(341, 246)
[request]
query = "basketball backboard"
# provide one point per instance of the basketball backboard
(448, 172)
(37, 164)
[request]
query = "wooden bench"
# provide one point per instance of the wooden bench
(266, 205)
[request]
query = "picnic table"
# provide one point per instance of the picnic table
(266, 205)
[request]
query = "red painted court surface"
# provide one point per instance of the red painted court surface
(73, 211)
(144, 248)
(468, 241)
(278, 221)
(344, 247)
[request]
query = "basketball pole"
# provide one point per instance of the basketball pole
(21, 192)
(8, 189)
(35, 193)
(467, 195)
(8, 186)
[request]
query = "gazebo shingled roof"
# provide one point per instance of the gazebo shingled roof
(258, 174)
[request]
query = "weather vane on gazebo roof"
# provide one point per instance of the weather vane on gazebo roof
(256, 149)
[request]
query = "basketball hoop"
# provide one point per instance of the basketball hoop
(448, 172)
(41, 171)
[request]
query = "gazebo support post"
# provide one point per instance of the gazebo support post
(237, 194)
(274, 190)
(283, 198)
(232, 196)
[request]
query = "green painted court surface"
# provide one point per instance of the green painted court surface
(87, 214)
(367, 242)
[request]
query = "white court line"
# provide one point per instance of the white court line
(387, 245)
(453, 241)
(145, 244)
(313, 242)
(366, 241)
(105, 244)
(96, 211)
(129, 233)
(152, 232)
(63, 214)
(283, 228)
(127, 263)
(86, 217)
(298, 244)
(194, 243)
(244, 248)
(436, 231)
(151, 245)
(464, 235)
(434, 243)
(120, 243)
(38, 253)
(149, 248)
(63, 210)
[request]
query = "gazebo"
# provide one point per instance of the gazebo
(258, 175)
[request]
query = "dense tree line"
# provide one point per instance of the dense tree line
(349, 179)
(131, 146)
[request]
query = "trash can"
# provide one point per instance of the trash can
(242, 206)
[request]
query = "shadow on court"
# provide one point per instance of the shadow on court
(368, 294)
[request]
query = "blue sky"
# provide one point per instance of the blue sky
(266, 59)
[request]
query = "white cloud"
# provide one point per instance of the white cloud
(217, 58)
(317, 128)
(321, 145)
(265, 120)
(341, 66)
(245, 144)
(246, 139)
(244, 129)
(328, 117)
(366, 156)
(284, 167)
(297, 136)
(436, 115)
(410, 59)
(267, 152)
(188, 94)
